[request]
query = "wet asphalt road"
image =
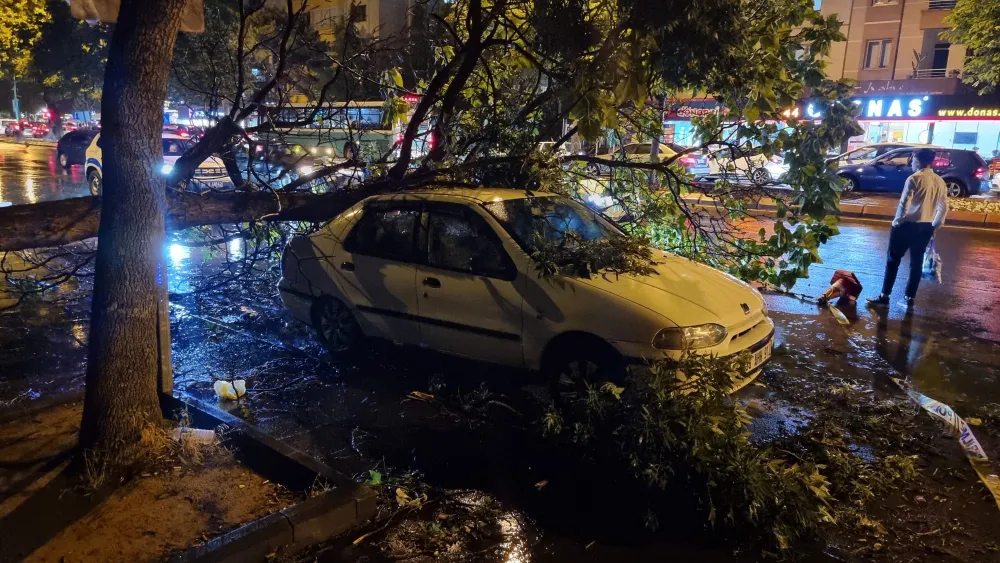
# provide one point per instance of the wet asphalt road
(32, 174)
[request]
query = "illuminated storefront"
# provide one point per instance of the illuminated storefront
(961, 122)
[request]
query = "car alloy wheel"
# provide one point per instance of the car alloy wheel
(581, 365)
(64, 160)
(955, 189)
(850, 184)
(760, 176)
(338, 329)
(95, 183)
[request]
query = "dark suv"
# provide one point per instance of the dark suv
(963, 171)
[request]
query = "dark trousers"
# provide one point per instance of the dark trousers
(912, 237)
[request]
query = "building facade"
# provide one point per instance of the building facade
(377, 18)
(908, 76)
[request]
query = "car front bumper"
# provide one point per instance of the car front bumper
(755, 340)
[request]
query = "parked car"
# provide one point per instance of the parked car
(72, 147)
(865, 153)
(451, 270)
(9, 126)
(963, 171)
(695, 164)
(210, 174)
(38, 130)
(750, 163)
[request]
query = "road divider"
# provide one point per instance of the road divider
(767, 207)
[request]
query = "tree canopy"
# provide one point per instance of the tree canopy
(21, 24)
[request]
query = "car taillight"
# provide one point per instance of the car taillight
(399, 138)
(939, 163)
(980, 172)
(688, 160)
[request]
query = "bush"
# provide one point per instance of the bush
(675, 426)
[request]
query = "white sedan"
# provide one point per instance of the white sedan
(750, 163)
(451, 270)
(210, 174)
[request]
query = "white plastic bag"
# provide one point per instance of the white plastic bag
(932, 264)
(231, 391)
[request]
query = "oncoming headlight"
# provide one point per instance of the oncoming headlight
(680, 338)
(166, 169)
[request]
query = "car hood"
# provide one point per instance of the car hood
(210, 162)
(685, 292)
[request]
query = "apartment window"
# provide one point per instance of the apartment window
(940, 58)
(359, 13)
(884, 2)
(878, 53)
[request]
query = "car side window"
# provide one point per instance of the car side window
(385, 232)
(901, 159)
(462, 241)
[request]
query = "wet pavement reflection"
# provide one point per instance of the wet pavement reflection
(32, 174)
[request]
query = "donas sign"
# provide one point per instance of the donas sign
(926, 107)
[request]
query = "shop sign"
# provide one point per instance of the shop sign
(970, 112)
(687, 110)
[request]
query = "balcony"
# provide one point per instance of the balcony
(927, 73)
(942, 4)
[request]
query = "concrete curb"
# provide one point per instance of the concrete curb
(345, 506)
(860, 211)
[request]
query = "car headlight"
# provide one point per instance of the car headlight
(305, 170)
(166, 169)
(680, 338)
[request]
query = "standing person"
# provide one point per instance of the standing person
(923, 206)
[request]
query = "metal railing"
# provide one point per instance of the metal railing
(942, 4)
(937, 73)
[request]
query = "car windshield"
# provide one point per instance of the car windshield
(549, 219)
(862, 154)
(174, 147)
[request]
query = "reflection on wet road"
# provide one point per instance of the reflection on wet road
(32, 174)
(968, 297)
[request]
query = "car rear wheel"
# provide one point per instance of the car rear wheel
(94, 181)
(760, 176)
(336, 326)
(575, 365)
(955, 188)
(850, 184)
(64, 160)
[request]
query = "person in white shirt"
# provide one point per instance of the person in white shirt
(923, 206)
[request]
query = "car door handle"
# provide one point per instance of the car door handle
(432, 282)
(349, 266)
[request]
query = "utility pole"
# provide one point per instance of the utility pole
(17, 106)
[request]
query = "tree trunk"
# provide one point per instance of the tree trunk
(121, 386)
(59, 222)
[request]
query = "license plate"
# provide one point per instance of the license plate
(758, 357)
(216, 185)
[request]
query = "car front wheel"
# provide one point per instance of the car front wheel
(760, 176)
(573, 368)
(850, 184)
(955, 188)
(94, 181)
(336, 326)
